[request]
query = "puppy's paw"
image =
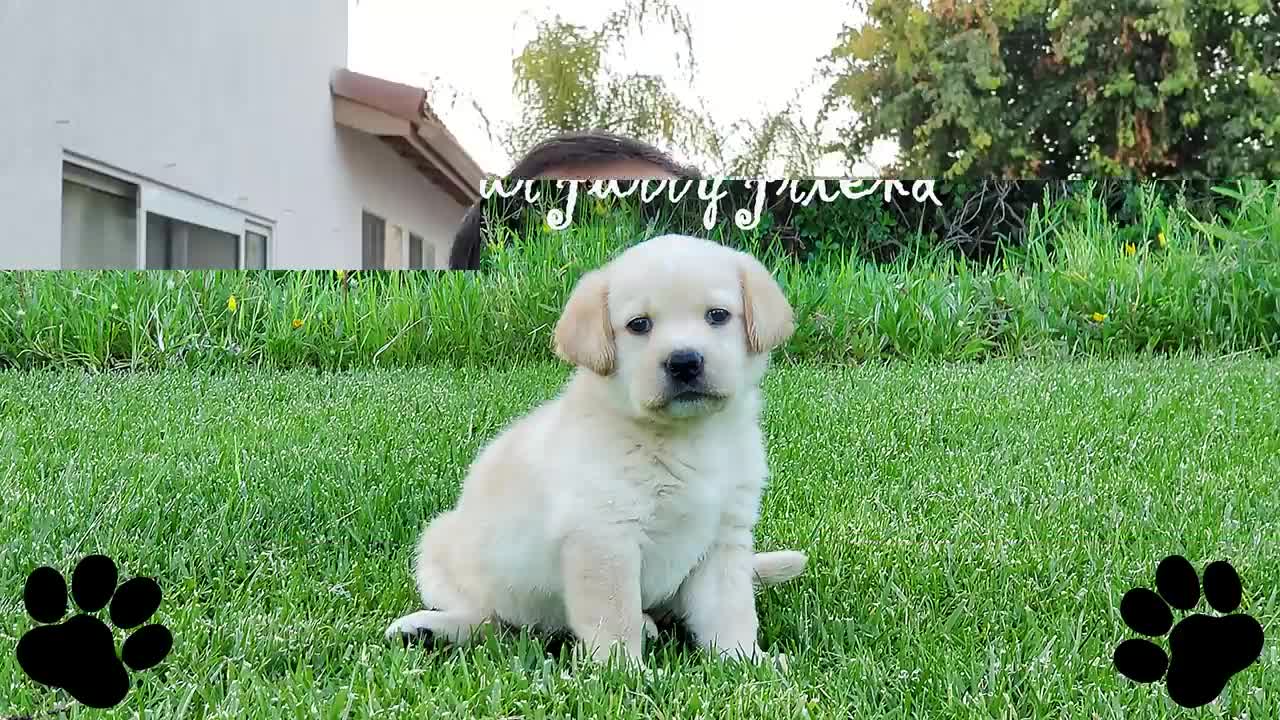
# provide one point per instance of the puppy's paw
(746, 652)
(755, 654)
(414, 628)
(758, 656)
(430, 627)
(603, 653)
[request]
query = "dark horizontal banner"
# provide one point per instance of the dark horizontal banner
(869, 217)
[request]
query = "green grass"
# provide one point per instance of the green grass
(972, 529)
(1072, 290)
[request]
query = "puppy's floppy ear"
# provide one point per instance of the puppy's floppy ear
(584, 335)
(767, 315)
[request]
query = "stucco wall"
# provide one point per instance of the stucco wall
(379, 180)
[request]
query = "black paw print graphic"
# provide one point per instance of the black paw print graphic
(1204, 651)
(79, 655)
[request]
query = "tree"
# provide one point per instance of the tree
(567, 78)
(1054, 88)
(564, 82)
(781, 137)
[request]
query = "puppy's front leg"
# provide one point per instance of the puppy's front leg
(602, 594)
(718, 601)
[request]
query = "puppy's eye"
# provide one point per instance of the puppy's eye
(640, 325)
(718, 316)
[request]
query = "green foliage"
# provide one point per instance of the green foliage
(828, 232)
(974, 218)
(572, 78)
(564, 81)
(783, 137)
(1081, 283)
(1051, 88)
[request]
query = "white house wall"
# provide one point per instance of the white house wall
(397, 193)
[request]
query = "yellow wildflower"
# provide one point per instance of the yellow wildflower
(1130, 249)
(1160, 238)
(297, 324)
(232, 304)
(1099, 317)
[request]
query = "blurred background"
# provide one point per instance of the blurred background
(356, 133)
(833, 87)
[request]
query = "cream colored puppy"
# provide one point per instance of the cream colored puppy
(636, 491)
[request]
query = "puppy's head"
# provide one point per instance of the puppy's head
(677, 325)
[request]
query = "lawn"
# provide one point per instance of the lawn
(972, 529)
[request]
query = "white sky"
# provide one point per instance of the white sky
(752, 55)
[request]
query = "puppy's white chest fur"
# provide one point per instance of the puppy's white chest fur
(680, 502)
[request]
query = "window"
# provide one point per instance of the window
(390, 246)
(177, 245)
(110, 222)
(415, 251)
(99, 221)
(373, 242)
(422, 254)
(256, 238)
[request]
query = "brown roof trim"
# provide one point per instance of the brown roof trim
(444, 160)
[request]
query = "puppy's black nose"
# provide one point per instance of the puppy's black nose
(684, 365)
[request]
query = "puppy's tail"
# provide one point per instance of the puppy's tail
(773, 568)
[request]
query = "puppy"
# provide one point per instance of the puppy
(636, 491)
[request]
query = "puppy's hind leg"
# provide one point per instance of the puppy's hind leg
(451, 615)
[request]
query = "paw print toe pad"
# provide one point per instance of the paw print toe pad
(45, 595)
(93, 581)
(1145, 612)
(1222, 586)
(147, 647)
(1177, 582)
(1141, 661)
(134, 602)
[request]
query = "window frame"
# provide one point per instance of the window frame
(422, 247)
(379, 252)
(266, 232)
(107, 183)
(170, 202)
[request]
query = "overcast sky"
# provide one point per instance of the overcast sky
(752, 55)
